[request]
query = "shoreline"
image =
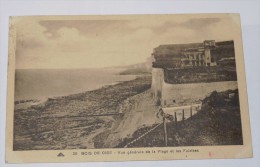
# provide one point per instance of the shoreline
(27, 103)
(41, 84)
(109, 117)
(66, 122)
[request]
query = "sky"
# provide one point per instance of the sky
(108, 41)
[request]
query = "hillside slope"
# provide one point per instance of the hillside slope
(218, 123)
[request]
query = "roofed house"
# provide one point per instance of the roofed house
(184, 55)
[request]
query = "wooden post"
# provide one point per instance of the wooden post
(175, 119)
(190, 112)
(183, 117)
(165, 131)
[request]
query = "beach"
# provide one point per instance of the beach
(71, 122)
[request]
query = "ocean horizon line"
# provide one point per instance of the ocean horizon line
(42, 100)
(67, 68)
(35, 84)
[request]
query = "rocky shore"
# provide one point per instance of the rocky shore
(115, 115)
(71, 122)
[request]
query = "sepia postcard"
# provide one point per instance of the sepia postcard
(126, 87)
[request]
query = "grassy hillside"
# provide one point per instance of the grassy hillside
(218, 123)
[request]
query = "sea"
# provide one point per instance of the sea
(40, 84)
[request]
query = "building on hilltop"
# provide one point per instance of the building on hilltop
(182, 72)
(191, 55)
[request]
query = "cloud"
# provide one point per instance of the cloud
(102, 43)
(86, 27)
(200, 23)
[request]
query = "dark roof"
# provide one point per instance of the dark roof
(175, 49)
(221, 43)
(180, 47)
(191, 45)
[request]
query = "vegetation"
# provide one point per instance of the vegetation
(218, 123)
(200, 74)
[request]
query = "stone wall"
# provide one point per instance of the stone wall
(176, 93)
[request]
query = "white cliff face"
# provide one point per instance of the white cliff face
(157, 82)
(173, 93)
(193, 91)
